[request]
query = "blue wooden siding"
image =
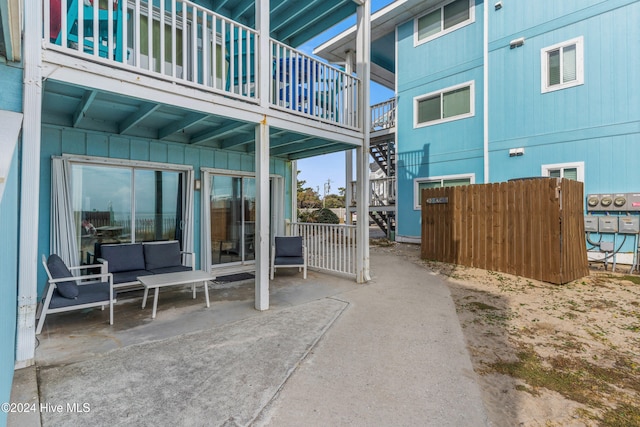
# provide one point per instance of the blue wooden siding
(11, 78)
(603, 105)
(443, 149)
(8, 281)
(57, 141)
(597, 123)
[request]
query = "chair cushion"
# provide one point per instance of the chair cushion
(59, 270)
(172, 269)
(162, 254)
(289, 246)
(288, 260)
(92, 293)
(123, 257)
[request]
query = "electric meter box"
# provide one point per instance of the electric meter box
(628, 224)
(591, 224)
(608, 224)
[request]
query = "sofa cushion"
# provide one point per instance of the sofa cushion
(59, 270)
(129, 276)
(162, 254)
(289, 246)
(172, 269)
(123, 257)
(92, 293)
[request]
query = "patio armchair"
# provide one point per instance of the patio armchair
(289, 252)
(66, 292)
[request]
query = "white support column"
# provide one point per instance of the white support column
(265, 72)
(262, 216)
(29, 187)
(348, 196)
(363, 50)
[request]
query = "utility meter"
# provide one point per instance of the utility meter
(628, 224)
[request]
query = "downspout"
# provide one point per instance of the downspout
(29, 186)
(348, 157)
(485, 90)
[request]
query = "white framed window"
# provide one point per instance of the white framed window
(453, 103)
(442, 20)
(573, 171)
(562, 65)
(420, 184)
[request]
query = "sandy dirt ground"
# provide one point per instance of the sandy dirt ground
(549, 355)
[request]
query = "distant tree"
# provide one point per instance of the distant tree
(307, 197)
(334, 201)
(326, 216)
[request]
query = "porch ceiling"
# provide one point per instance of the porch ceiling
(76, 107)
(293, 22)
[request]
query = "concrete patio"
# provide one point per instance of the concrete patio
(328, 352)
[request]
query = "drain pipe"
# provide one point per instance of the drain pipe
(486, 91)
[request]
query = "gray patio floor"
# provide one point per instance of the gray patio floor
(328, 352)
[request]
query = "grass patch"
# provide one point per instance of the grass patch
(623, 415)
(580, 381)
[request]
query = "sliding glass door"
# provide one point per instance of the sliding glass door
(232, 205)
(115, 204)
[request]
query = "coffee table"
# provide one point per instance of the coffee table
(157, 281)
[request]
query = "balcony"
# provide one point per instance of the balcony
(383, 115)
(182, 42)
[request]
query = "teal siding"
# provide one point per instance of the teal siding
(609, 95)
(597, 123)
(8, 281)
(450, 148)
(57, 141)
(11, 78)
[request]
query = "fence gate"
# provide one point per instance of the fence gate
(530, 227)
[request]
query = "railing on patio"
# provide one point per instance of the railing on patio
(382, 191)
(308, 86)
(330, 247)
(383, 115)
(215, 54)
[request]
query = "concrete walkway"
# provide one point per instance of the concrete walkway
(329, 352)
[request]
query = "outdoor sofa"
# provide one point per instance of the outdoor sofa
(128, 261)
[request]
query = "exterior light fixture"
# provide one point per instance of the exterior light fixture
(516, 42)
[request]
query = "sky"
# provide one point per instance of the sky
(316, 171)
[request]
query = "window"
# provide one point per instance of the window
(443, 20)
(563, 65)
(450, 104)
(573, 171)
(420, 184)
(138, 205)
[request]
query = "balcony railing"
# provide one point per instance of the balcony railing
(383, 115)
(180, 41)
(330, 247)
(382, 192)
(313, 88)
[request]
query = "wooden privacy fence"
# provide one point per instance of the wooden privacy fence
(532, 228)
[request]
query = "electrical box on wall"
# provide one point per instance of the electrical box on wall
(629, 202)
(628, 224)
(591, 224)
(608, 224)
